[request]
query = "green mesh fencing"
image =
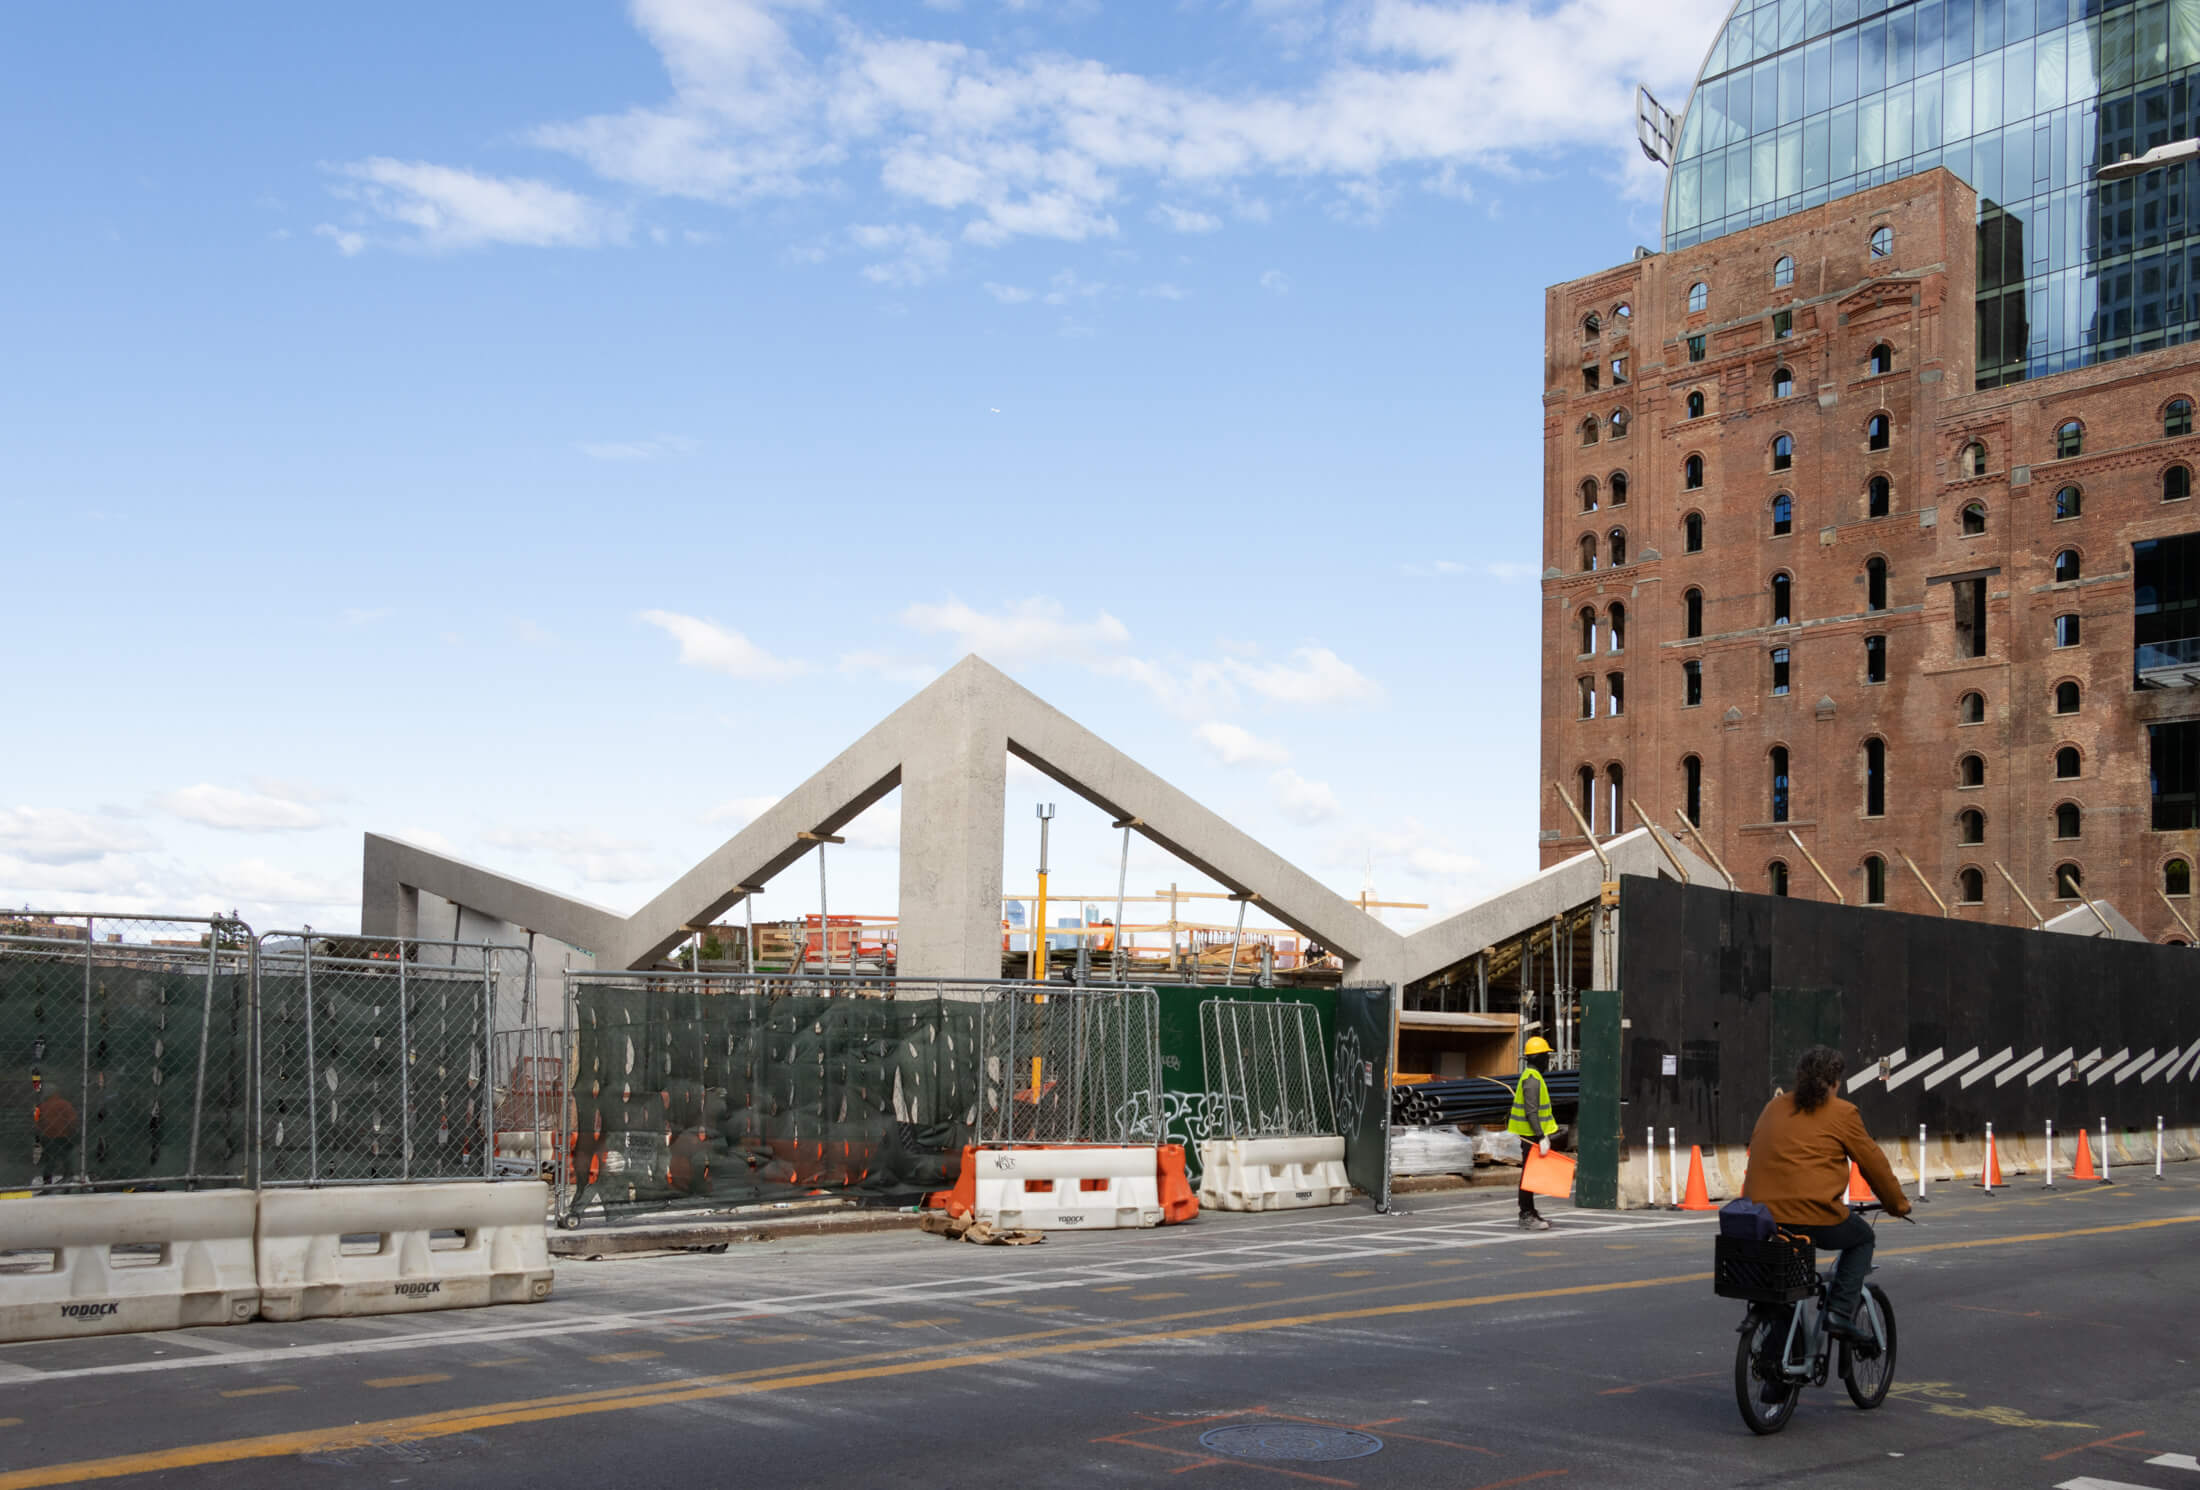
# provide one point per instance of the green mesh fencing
(124, 1045)
(713, 1090)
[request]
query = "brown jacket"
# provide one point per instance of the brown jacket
(1798, 1163)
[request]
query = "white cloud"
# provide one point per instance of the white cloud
(236, 811)
(428, 839)
(1276, 282)
(915, 256)
(1184, 219)
(595, 858)
(1185, 689)
(55, 835)
(739, 812)
(289, 790)
(447, 208)
(769, 99)
(357, 617)
(707, 644)
(348, 243)
(1029, 630)
(894, 669)
(1509, 571)
(1007, 294)
(1308, 801)
(656, 448)
(1067, 288)
(1164, 291)
(1234, 746)
(1315, 676)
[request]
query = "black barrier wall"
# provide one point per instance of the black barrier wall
(1975, 1024)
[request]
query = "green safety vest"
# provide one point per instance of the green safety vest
(1531, 1114)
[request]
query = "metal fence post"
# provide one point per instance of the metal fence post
(84, 1068)
(488, 1063)
(206, 1030)
(404, 1066)
(254, 1086)
(313, 1074)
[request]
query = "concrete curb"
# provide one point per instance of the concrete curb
(679, 1236)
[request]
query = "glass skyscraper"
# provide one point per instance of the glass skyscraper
(1804, 101)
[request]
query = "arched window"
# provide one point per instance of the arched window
(1588, 803)
(1875, 778)
(1615, 808)
(1616, 626)
(2177, 877)
(1882, 360)
(2177, 418)
(1970, 826)
(1879, 431)
(1878, 497)
(1783, 515)
(1875, 880)
(1589, 430)
(1971, 709)
(1623, 312)
(1882, 242)
(1692, 533)
(1591, 326)
(1692, 613)
(1783, 272)
(1589, 495)
(1692, 473)
(1588, 552)
(1783, 600)
(1971, 886)
(2068, 820)
(1617, 541)
(1692, 788)
(2069, 439)
(1779, 763)
(1699, 297)
(2069, 502)
(1875, 583)
(1974, 519)
(2069, 881)
(2066, 566)
(1615, 694)
(1619, 424)
(2066, 697)
(1783, 383)
(1783, 452)
(1776, 878)
(2067, 763)
(1586, 687)
(1972, 462)
(2066, 630)
(1617, 486)
(1588, 620)
(2176, 483)
(1695, 405)
(1971, 771)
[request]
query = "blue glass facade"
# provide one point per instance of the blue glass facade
(1804, 101)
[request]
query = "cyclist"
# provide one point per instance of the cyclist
(1798, 1170)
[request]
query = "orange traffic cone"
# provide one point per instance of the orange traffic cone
(1696, 1199)
(1860, 1192)
(2083, 1169)
(1989, 1178)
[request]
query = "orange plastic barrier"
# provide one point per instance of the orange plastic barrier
(1178, 1202)
(1548, 1174)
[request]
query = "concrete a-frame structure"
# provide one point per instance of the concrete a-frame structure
(947, 749)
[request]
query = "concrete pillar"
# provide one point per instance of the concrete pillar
(954, 788)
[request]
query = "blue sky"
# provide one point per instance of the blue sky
(549, 432)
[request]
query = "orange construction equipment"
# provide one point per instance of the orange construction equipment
(1860, 1190)
(1991, 1178)
(2083, 1169)
(1696, 1198)
(1178, 1202)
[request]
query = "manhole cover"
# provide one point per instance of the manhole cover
(1290, 1441)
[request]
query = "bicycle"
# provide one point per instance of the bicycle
(1784, 1348)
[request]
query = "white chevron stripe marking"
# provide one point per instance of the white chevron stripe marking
(2131, 1067)
(2053, 1064)
(2190, 1052)
(2106, 1066)
(1878, 1068)
(2019, 1068)
(1921, 1064)
(1952, 1068)
(2160, 1063)
(1986, 1067)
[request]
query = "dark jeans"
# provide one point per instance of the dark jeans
(1527, 1196)
(1853, 1238)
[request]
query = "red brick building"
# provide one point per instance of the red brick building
(1807, 587)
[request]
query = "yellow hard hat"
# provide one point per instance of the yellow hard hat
(1536, 1045)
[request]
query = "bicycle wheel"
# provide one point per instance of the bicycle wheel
(1765, 1335)
(1868, 1373)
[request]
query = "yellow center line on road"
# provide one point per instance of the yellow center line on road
(425, 1379)
(510, 1360)
(257, 1391)
(505, 1414)
(1115, 1288)
(618, 1357)
(1147, 1298)
(920, 1324)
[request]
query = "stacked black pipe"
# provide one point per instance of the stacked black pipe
(1473, 1099)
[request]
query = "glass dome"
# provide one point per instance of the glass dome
(1803, 101)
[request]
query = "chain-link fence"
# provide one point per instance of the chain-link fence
(124, 1047)
(1071, 1065)
(375, 1057)
(1267, 1063)
(723, 1089)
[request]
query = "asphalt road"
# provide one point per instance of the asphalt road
(2047, 1339)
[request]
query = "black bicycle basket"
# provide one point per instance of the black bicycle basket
(1781, 1271)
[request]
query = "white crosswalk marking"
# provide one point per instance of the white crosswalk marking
(2088, 1482)
(2176, 1461)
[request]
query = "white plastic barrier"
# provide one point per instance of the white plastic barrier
(1071, 1189)
(120, 1263)
(1272, 1174)
(395, 1262)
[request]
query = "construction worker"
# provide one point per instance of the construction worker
(1532, 1122)
(53, 1125)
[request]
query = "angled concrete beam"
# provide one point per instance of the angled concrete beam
(394, 872)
